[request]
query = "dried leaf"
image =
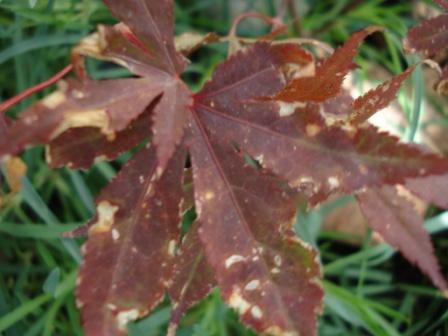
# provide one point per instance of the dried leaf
(394, 217)
(136, 228)
(329, 75)
(376, 99)
(265, 273)
(188, 43)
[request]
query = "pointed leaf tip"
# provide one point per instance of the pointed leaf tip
(327, 81)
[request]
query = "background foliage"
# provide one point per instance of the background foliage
(369, 289)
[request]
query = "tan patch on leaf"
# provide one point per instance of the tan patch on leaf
(106, 214)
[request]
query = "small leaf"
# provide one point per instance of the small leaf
(376, 99)
(132, 240)
(394, 217)
(32, 3)
(430, 37)
(329, 75)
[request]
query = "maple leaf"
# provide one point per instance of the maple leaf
(394, 217)
(243, 239)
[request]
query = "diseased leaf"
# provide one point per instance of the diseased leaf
(136, 228)
(108, 105)
(258, 106)
(376, 99)
(263, 270)
(193, 278)
(394, 217)
(433, 189)
(430, 37)
(329, 75)
(302, 148)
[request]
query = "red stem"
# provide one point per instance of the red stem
(32, 90)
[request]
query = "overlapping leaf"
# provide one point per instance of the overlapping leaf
(430, 37)
(302, 147)
(132, 243)
(401, 226)
(329, 75)
(376, 99)
(263, 270)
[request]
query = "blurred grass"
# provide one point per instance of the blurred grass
(369, 290)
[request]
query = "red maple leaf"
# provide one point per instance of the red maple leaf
(242, 240)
